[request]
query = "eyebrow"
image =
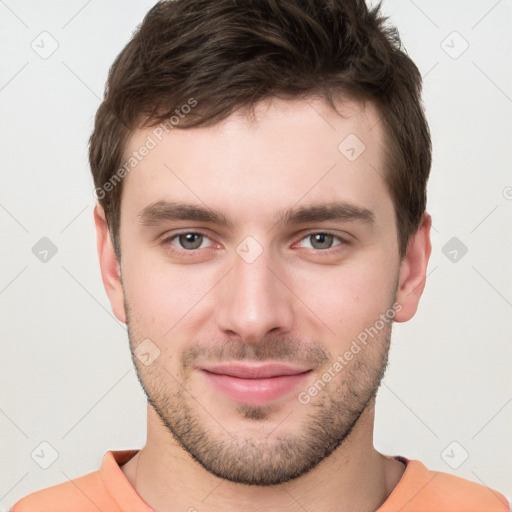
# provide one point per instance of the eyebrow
(162, 211)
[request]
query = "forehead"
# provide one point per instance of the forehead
(292, 152)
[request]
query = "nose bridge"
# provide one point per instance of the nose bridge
(253, 299)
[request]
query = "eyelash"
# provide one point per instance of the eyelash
(167, 242)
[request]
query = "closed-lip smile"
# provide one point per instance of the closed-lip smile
(261, 371)
(254, 384)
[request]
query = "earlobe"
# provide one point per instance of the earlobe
(109, 265)
(413, 271)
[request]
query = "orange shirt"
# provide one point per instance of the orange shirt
(108, 490)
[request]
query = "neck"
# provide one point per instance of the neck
(354, 477)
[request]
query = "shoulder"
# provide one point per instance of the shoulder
(81, 494)
(424, 490)
(472, 496)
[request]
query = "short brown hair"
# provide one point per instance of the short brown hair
(228, 54)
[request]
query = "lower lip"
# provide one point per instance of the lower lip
(255, 391)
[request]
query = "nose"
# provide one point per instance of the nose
(255, 299)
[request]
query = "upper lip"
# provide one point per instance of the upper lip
(255, 371)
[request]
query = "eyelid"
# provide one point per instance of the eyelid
(343, 238)
(167, 239)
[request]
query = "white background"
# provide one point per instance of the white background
(66, 374)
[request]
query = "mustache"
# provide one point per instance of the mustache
(281, 349)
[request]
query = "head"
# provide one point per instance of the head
(290, 139)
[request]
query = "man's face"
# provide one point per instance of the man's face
(232, 309)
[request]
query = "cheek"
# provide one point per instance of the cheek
(147, 291)
(352, 297)
(163, 298)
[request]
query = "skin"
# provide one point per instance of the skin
(298, 302)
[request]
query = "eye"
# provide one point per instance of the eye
(187, 240)
(322, 240)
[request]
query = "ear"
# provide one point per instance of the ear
(413, 271)
(109, 264)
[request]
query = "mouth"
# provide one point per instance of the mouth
(255, 384)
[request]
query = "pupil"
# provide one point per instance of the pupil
(189, 238)
(322, 236)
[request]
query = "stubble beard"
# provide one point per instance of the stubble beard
(320, 427)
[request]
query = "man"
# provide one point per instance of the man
(261, 169)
